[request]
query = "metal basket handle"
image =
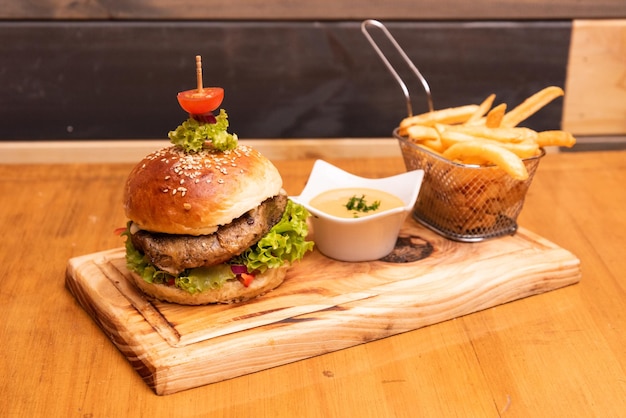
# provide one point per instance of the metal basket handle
(375, 23)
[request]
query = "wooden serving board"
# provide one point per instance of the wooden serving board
(323, 306)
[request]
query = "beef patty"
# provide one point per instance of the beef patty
(175, 253)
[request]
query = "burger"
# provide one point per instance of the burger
(209, 220)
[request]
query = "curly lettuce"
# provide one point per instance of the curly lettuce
(204, 278)
(284, 243)
(191, 135)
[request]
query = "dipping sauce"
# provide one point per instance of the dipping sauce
(355, 202)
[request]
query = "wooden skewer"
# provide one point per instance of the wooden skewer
(199, 72)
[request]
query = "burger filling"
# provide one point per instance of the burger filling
(268, 236)
(176, 253)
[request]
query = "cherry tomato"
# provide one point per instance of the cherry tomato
(198, 102)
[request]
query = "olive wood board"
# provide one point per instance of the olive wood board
(324, 305)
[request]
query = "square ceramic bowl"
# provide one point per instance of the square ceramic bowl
(364, 238)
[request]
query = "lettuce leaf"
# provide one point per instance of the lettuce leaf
(137, 262)
(191, 135)
(204, 278)
(285, 243)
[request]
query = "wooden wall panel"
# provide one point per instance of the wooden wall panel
(103, 80)
(311, 10)
(595, 103)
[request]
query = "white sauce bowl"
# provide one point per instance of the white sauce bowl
(358, 239)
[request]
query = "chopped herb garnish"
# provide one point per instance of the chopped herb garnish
(359, 204)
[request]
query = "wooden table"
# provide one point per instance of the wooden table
(560, 353)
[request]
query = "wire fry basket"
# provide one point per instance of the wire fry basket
(467, 203)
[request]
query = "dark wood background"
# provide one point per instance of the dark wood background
(109, 70)
(273, 10)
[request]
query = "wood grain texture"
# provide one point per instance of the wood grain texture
(323, 9)
(323, 306)
(131, 151)
(556, 354)
(595, 100)
(295, 79)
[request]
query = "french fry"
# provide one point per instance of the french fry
(503, 158)
(495, 115)
(530, 106)
(517, 134)
(555, 138)
(524, 149)
(434, 144)
(477, 160)
(450, 115)
(426, 136)
(420, 132)
(450, 137)
(431, 149)
(482, 109)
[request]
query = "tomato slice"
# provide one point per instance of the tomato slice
(118, 231)
(198, 102)
(246, 279)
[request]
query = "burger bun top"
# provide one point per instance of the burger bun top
(175, 192)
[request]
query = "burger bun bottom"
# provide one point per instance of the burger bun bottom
(231, 292)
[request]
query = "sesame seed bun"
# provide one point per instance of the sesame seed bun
(231, 292)
(174, 192)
